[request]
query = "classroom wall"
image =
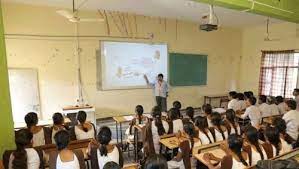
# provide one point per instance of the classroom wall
(6, 124)
(252, 44)
(54, 59)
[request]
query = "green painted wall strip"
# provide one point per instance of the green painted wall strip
(6, 120)
(285, 10)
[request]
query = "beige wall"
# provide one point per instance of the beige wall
(54, 58)
(253, 42)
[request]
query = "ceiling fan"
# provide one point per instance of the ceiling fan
(267, 38)
(73, 16)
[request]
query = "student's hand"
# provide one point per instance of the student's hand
(207, 157)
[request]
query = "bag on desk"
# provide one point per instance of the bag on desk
(277, 164)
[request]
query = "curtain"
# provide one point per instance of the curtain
(278, 74)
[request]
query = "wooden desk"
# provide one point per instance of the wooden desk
(216, 152)
(269, 119)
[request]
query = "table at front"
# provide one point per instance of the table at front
(218, 152)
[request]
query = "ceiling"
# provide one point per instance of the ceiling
(176, 9)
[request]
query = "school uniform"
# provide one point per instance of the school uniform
(177, 125)
(218, 135)
(265, 110)
(241, 105)
(255, 155)
(239, 164)
(155, 134)
(33, 159)
(232, 104)
(282, 107)
(81, 135)
(274, 109)
(74, 164)
(254, 115)
(292, 120)
(38, 138)
(205, 139)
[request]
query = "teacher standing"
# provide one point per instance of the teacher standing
(160, 90)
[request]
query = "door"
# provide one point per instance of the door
(24, 93)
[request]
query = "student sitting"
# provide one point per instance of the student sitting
(232, 104)
(111, 165)
(25, 156)
(178, 161)
(285, 138)
(281, 105)
(264, 107)
(221, 132)
(58, 124)
(103, 151)
(190, 114)
(231, 120)
(257, 151)
(272, 137)
(274, 111)
(204, 134)
(207, 109)
(248, 94)
(177, 105)
(234, 153)
(65, 158)
(292, 119)
(241, 104)
(252, 112)
(38, 132)
(155, 162)
(84, 130)
(175, 124)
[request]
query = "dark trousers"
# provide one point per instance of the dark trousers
(162, 103)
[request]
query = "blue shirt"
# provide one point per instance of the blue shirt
(160, 89)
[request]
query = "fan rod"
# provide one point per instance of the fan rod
(73, 36)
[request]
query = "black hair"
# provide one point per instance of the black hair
(111, 165)
(57, 119)
(296, 90)
(177, 105)
(202, 124)
(279, 99)
(271, 100)
(250, 93)
(280, 124)
(174, 114)
(81, 117)
(247, 95)
(157, 115)
(252, 136)
(190, 130)
(139, 111)
(160, 75)
(216, 120)
(231, 117)
(252, 100)
(62, 139)
(23, 139)
(207, 108)
(291, 104)
(240, 96)
(272, 135)
(233, 94)
(235, 144)
(104, 138)
(263, 98)
(155, 162)
(190, 113)
(31, 119)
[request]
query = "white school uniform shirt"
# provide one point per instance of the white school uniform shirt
(74, 164)
(285, 147)
(112, 156)
(232, 104)
(256, 155)
(254, 115)
(156, 137)
(265, 109)
(292, 120)
(239, 164)
(38, 138)
(33, 161)
(282, 107)
(218, 135)
(81, 135)
(241, 105)
(204, 139)
(177, 125)
(274, 109)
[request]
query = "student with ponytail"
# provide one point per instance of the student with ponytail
(285, 138)
(84, 130)
(204, 134)
(103, 151)
(251, 136)
(25, 157)
(207, 110)
(190, 114)
(234, 153)
(272, 137)
(221, 132)
(231, 120)
(38, 132)
(175, 122)
(58, 124)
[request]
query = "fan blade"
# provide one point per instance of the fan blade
(91, 20)
(65, 14)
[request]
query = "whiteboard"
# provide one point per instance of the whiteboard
(24, 92)
(124, 64)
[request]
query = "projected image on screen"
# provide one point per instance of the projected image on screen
(124, 64)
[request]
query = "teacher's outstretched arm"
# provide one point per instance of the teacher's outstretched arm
(147, 81)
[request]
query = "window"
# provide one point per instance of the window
(279, 72)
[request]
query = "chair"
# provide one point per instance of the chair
(186, 150)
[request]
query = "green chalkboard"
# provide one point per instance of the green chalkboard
(187, 69)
